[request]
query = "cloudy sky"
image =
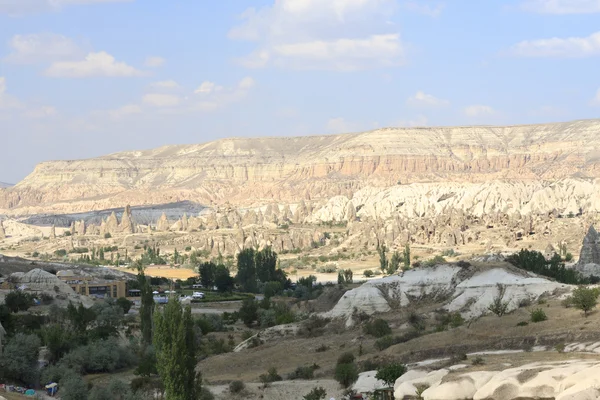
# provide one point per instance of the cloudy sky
(83, 78)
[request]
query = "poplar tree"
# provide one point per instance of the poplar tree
(175, 346)
(146, 307)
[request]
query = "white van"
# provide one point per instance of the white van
(198, 295)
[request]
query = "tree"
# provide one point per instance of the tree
(57, 340)
(406, 256)
(223, 281)
(80, 317)
(147, 306)
(124, 304)
(390, 373)
(249, 312)
(584, 299)
(18, 301)
(207, 274)
(175, 346)
(73, 387)
(272, 289)
(19, 359)
(266, 263)
(346, 374)
(383, 261)
(246, 274)
(499, 306)
(394, 263)
(348, 275)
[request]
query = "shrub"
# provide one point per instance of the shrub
(390, 373)
(560, 347)
(60, 253)
(107, 235)
(584, 299)
(378, 328)
(368, 273)
(236, 386)
(498, 306)
(305, 373)
(322, 348)
(124, 304)
(270, 376)
(417, 321)
(18, 301)
(346, 358)
(346, 374)
(317, 393)
(478, 361)
(538, 315)
(523, 323)
(387, 341)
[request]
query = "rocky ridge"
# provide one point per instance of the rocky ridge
(251, 172)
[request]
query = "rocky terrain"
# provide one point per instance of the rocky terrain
(250, 172)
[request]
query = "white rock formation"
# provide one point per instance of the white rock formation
(469, 290)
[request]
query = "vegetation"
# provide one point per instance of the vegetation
(584, 299)
(383, 261)
(378, 328)
(535, 262)
(175, 346)
(254, 267)
(499, 307)
(390, 373)
(317, 393)
(236, 387)
(538, 315)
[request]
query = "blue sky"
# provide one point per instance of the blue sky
(83, 78)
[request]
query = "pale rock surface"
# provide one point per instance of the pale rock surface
(405, 386)
(367, 382)
(462, 387)
(2, 231)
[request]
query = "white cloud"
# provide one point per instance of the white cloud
(20, 7)
(246, 83)
(572, 47)
(94, 64)
(126, 110)
(40, 112)
(422, 98)
(317, 34)
(420, 7)
(478, 110)
(161, 100)
(562, 6)
(170, 84)
(154, 62)
(207, 87)
(33, 48)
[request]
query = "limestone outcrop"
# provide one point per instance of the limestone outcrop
(254, 172)
(463, 288)
(2, 231)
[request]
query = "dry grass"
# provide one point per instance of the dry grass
(172, 273)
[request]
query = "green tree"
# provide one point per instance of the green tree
(246, 275)
(394, 263)
(147, 306)
(18, 301)
(208, 272)
(584, 299)
(266, 263)
(80, 317)
(341, 277)
(124, 304)
(73, 387)
(390, 373)
(348, 276)
(57, 340)
(175, 257)
(346, 374)
(406, 256)
(249, 312)
(223, 280)
(175, 346)
(383, 261)
(19, 359)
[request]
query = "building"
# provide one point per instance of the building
(91, 286)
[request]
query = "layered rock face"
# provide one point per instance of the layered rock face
(255, 171)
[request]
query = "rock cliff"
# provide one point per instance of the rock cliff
(252, 172)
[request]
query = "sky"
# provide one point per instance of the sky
(85, 78)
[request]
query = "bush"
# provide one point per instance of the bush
(523, 323)
(584, 299)
(368, 273)
(236, 386)
(124, 304)
(73, 388)
(346, 374)
(538, 315)
(390, 373)
(18, 301)
(107, 235)
(249, 312)
(322, 348)
(387, 341)
(346, 358)
(478, 361)
(417, 321)
(305, 373)
(378, 328)
(498, 306)
(317, 393)
(270, 376)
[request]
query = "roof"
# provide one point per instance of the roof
(65, 273)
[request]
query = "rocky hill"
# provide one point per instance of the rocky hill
(5, 185)
(250, 172)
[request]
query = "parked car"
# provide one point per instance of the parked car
(197, 295)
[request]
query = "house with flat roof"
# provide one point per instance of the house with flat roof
(91, 286)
